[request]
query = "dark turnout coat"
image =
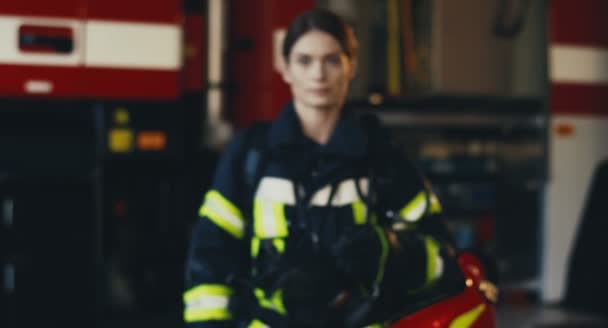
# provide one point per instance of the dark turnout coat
(266, 250)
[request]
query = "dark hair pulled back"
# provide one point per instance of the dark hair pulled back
(325, 21)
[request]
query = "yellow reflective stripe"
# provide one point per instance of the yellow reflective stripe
(223, 213)
(435, 204)
(281, 221)
(207, 290)
(467, 319)
(257, 324)
(274, 303)
(192, 315)
(279, 244)
(384, 255)
(277, 300)
(269, 219)
(207, 302)
(359, 212)
(415, 209)
(432, 252)
(375, 325)
(255, 247)
(258, 218)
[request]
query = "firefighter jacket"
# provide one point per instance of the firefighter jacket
(310, 194)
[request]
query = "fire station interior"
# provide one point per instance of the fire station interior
(113, 117)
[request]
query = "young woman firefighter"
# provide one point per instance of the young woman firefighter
(314, 219)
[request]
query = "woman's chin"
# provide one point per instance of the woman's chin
(322, 104)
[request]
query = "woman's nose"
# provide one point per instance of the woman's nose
(318, 71)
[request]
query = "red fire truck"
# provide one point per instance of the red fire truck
(94, 113)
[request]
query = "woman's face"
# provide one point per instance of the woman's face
(318, 71)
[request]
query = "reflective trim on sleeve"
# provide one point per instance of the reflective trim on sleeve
(205, 290)
(257, 324)
(255, 247)
(434, 260)
(415, 209)
(468, 318)
(207, 302)
(376, 325)
(269, 219)
(279, 245)
(223, 213)
(274, 303)
(194, 315)
(359, 212)
(435, 204)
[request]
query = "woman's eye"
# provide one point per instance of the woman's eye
(334, 60)
(303, 60)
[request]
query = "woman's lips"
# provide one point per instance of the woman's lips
(319, 92)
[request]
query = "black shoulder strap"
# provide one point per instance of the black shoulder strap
(255, 154)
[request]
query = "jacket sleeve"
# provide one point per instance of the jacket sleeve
(218, 249)
(418, 239)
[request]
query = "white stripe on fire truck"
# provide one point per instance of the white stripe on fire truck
(578, 64)
(133, 45)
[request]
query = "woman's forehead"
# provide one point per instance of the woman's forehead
(316, 43)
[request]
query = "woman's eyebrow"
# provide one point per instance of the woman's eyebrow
(333, 54)
(325, 55)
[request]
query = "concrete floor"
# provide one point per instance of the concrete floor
(508, 316)
(535, 316)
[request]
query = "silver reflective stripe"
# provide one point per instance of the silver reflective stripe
(269, 221)
(276, 190)
(207, 302)
(210, 302)
(438, 266)
(269, 207)
(215, 206)
(416, 208)
(434, 260)
(282, 190)
(345, 194)
(321, 197)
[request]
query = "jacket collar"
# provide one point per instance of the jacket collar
(348, 139)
